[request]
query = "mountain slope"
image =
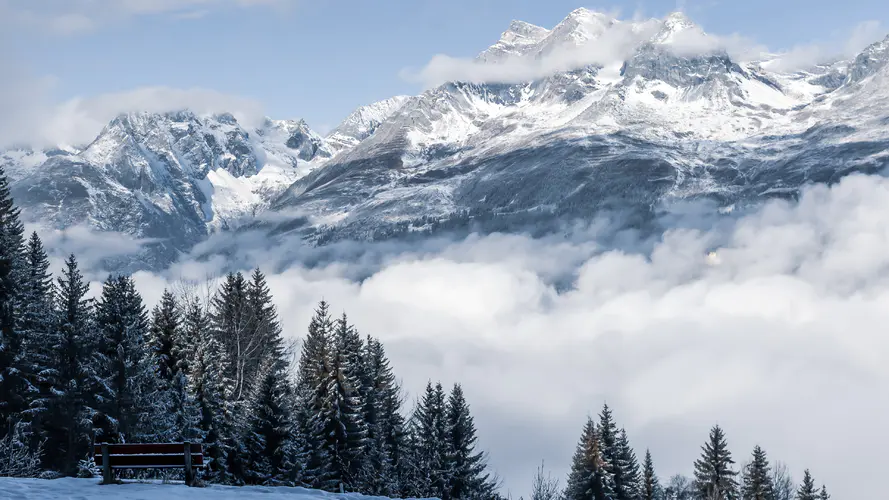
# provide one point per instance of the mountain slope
(169, 178)
(664, 124)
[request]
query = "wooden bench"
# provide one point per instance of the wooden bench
(149, 456)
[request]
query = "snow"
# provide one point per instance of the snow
(71, 488)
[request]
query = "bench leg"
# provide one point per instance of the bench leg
(107, 475)
(189, 473)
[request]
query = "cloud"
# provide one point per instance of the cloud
(780, 340)
(74, 17)
(615, 45)
(28, 116)
(840, 46)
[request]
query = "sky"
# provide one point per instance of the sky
(320, 60)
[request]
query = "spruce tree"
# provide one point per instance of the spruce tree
(208, 385)
(756, 480)
(164, 337)
(74, 379)
(714, 477)
(14, 373)
(631, 478)
(589, 478)
(611, 453)
(651, 488)
(338, 424)
(270, 451)
(230, 319)
(467, 478)
(314, 366)
(807, 490)
(823, 495)
(429, 465)
(386, 441)
(126, 365)
(37, 326)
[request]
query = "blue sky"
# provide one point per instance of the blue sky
(319, 60)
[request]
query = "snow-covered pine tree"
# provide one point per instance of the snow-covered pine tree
(589, 478)
(823, 495)
(631, 478)
(126, 366)
(386, 442)
(428, 474)
(313, 369)
(714, 477)
(163, 337)
(467, 477)
(208, 385)
(230, 322)
(651, 487)
(807, 490)
(263, 326)
(14, 376)
(339, 424)
(611, 452)
(269, 447)
(37, 326)
(70, 410)
(756, 481)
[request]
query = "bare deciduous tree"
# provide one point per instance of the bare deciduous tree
(544, 487)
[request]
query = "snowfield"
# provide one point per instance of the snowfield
(71, 488)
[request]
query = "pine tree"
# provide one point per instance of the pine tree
(37, 326)
(126, 366)
(631, 478)
(823, 495)
(231, 321)
(756, 480)
(164, 337)
(651, 488)
(428, 476)
(589, 478)
(270, 451)
(339, 425)
(208, 385)
(807, 490)
(611, 453)
(714, 477)
(74, 380)
(466, 468)
(263, 325)
(386, 441)
(14, 375)
(314, 366)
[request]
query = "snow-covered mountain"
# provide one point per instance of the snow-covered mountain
(674, 117)
(171, 178)
(677, 118)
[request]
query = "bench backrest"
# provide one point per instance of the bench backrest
(149, 455)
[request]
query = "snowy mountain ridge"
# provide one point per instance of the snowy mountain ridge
(675, 117)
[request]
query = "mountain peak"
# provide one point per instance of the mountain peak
(515, 41)
(674, 23)
(871, 60)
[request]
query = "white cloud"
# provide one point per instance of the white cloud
(781, 340)
(28, 116)
(612, 47)
(840, 46)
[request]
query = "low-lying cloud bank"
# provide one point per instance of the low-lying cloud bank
(780, 336)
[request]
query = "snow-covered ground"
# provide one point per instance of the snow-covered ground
(70, 488)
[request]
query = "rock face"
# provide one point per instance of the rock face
(168, 178)
(675, 118)
(664, 124)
